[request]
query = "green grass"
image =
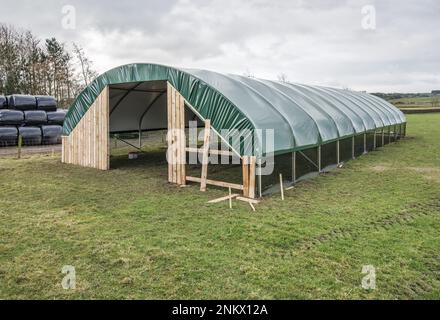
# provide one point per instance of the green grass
(413, 103)
(129, 234)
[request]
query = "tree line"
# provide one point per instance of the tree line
(29, 65)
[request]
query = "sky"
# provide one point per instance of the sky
(376, 46)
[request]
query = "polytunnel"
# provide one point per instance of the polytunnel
(314, 127)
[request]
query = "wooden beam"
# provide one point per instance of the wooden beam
(253, 201)
(169, 137)
(216, 183)
(182, 144)
(211, 151)
(177, 131)
(252, 164)
(281, 187)
(245, 172)
(173, 127)
(205, 157)
(228, 197)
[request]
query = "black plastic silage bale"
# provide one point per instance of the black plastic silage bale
(8, 116)
(56, 117)
(22, 102)
(35, 117)
(46, 103)
(8, 136)
(31, 136)
(3, 102)
(52, 134)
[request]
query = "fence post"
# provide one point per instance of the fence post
(20, 142)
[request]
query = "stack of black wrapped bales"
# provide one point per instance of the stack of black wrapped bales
(35, 118)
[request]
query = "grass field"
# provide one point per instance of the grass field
(129, 234)
(413, 103)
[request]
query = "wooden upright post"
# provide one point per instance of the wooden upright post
(176, 136)
(245, 170)
(252, 164)
(205, 157)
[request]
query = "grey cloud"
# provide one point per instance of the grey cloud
(313, 41)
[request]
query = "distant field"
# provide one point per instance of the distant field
(129, 234)
(418, 102)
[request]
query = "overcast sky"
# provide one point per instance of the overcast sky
(311, 41)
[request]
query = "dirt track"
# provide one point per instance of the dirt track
(12, 151)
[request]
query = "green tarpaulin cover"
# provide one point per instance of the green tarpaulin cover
(301, 116)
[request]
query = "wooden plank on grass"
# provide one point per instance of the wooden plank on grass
(228, 197)
(216, 183)
(253, 201)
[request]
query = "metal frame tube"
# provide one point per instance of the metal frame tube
(365, 143)
(338, 154)
(375, 143)
(353, 143)
(294, 167)
(319, 159)
(383, 137)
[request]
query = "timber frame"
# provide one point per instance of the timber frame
(88, 144)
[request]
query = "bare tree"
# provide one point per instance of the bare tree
(30, 66)
(86, 65)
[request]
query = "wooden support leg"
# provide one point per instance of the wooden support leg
(252, 164)
(245, 170)
(205, 158)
